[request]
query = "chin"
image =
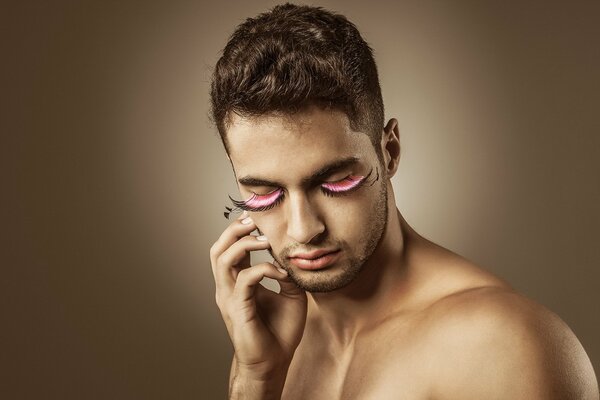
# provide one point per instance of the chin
(325, 280)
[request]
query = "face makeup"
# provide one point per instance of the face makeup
(258, 202)
(344, 185)
(265, 202)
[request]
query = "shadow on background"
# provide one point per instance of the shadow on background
(115, 181)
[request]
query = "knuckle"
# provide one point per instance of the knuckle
(248, 274)
(262, 268)
(222, 259)
(213, 252)
(241, 243)
(243, 274)
(248, 239)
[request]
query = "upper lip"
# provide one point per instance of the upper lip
(312, 254)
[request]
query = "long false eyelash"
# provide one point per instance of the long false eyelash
(243, 205)
(363, 181)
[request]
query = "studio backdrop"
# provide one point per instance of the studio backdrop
(115, 181)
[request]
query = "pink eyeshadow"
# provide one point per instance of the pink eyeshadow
(257, 201)
(345, 185)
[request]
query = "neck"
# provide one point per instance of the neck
(342, 314)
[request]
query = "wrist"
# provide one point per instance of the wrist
(247, 385)
(263, 371)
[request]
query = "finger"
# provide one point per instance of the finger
(289, 288)
(247, 280)
(225, 274)
(239, 228)
(240, 249)
(286, 285)
(235, 231)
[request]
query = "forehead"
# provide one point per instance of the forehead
(283, 146)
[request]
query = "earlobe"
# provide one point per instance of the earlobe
(390, 143)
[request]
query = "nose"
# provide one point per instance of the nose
(303, 223)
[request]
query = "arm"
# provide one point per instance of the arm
(265, 327)
(243, 386)
(504, 346)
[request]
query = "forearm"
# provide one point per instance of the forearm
(250, 385)
(245, 388)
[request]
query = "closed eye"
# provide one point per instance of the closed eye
(259, 202)
(343, 186)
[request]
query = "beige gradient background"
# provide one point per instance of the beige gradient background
(114, 182)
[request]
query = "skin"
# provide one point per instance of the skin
(397, 316)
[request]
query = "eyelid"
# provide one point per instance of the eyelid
(272, 199)
(254, 194)
(344, 185)
(349, 176)
(258, 202)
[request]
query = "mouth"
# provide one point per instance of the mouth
(314, 260)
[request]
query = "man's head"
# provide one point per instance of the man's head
(297, 102)
(329, 187)
(292, 57)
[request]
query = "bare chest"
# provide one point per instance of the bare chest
(377, 367)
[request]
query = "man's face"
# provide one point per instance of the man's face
(324, 188)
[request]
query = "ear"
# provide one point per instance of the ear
(390, 147)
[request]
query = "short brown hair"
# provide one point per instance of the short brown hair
(294, 56)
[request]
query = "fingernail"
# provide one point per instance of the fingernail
(262, 238)
(247, 221)
(283, 271)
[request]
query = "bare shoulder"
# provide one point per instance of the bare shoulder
(491, 342)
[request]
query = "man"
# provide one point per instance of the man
(368, 309)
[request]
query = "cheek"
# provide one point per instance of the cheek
(349, 216)
(269, 226)
(357, 203)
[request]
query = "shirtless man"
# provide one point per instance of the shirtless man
(368, 308)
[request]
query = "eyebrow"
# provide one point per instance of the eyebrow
(316, 177)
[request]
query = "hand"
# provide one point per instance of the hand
(265, 327)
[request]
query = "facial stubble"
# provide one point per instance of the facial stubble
(321, 281)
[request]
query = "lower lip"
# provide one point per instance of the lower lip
(317, 263)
